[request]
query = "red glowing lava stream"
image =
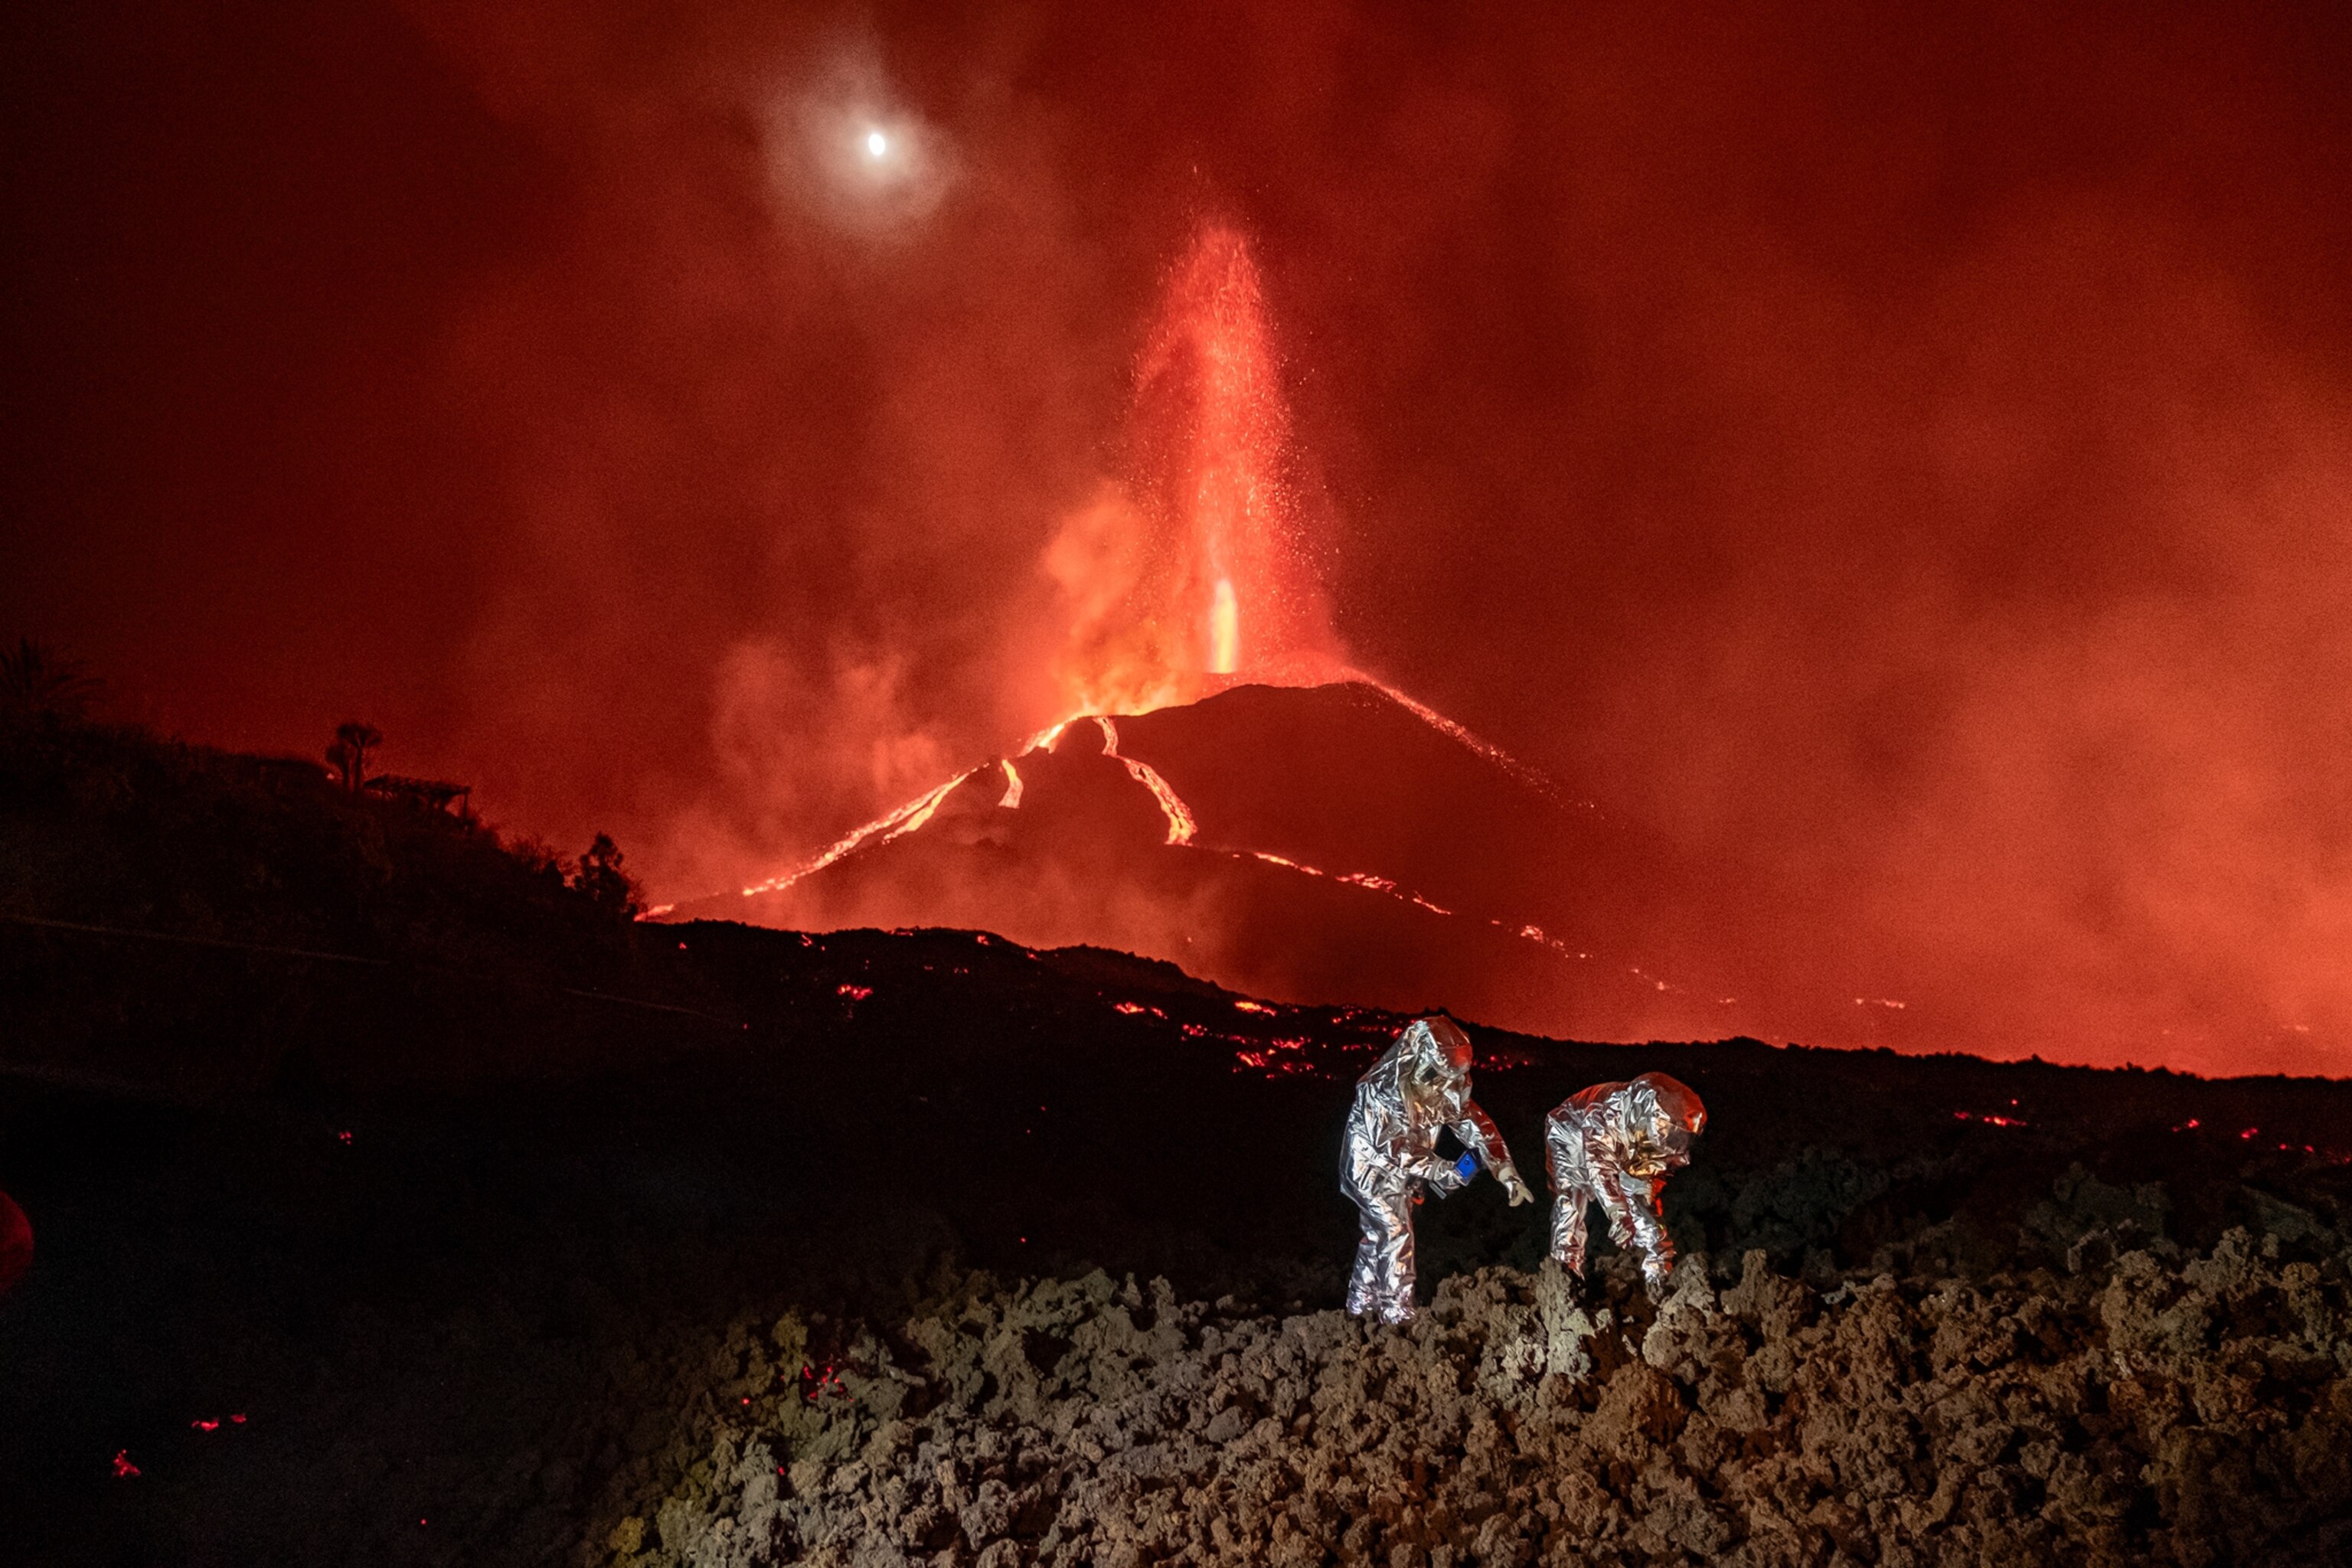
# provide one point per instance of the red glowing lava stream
(1535, 778)
(905, 820)
(1180, 826)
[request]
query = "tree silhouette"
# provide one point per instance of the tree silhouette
(353, 742)
(35, 680)
(607, 887)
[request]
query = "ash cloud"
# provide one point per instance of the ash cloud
(1899, 457)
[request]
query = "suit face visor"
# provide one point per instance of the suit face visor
(1437, 1082)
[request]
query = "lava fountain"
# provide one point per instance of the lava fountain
(1197, 574)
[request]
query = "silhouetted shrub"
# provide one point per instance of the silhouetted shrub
(602, 882)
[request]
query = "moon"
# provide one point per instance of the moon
(877, 143)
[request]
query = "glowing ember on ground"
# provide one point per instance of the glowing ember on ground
(123, 1469)
(15, 1243)
(854, 993)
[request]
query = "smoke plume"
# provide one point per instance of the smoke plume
(1898, 458)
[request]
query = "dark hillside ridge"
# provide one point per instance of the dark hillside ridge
(112, 826)
(171, 913)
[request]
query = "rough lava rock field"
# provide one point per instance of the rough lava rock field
(2166, 1409)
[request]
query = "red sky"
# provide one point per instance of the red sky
(1904, 457)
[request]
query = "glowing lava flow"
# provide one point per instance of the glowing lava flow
(909, 817)
(1363, 880)
(1388, 889)
(1535, 779)
(1180, 826)
(903, 821)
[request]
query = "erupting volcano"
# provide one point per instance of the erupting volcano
(1257, 809)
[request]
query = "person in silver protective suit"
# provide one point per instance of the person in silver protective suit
(1615, 1143)
(1420, 1087)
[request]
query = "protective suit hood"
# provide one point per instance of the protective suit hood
(1673, 1111)
(1437, 1068)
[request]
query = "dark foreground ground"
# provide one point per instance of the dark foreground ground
(963, 1253)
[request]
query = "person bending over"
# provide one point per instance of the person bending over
(1614, 1144)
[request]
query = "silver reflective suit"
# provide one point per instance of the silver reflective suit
(1615, 1143)
(1421, 1086)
